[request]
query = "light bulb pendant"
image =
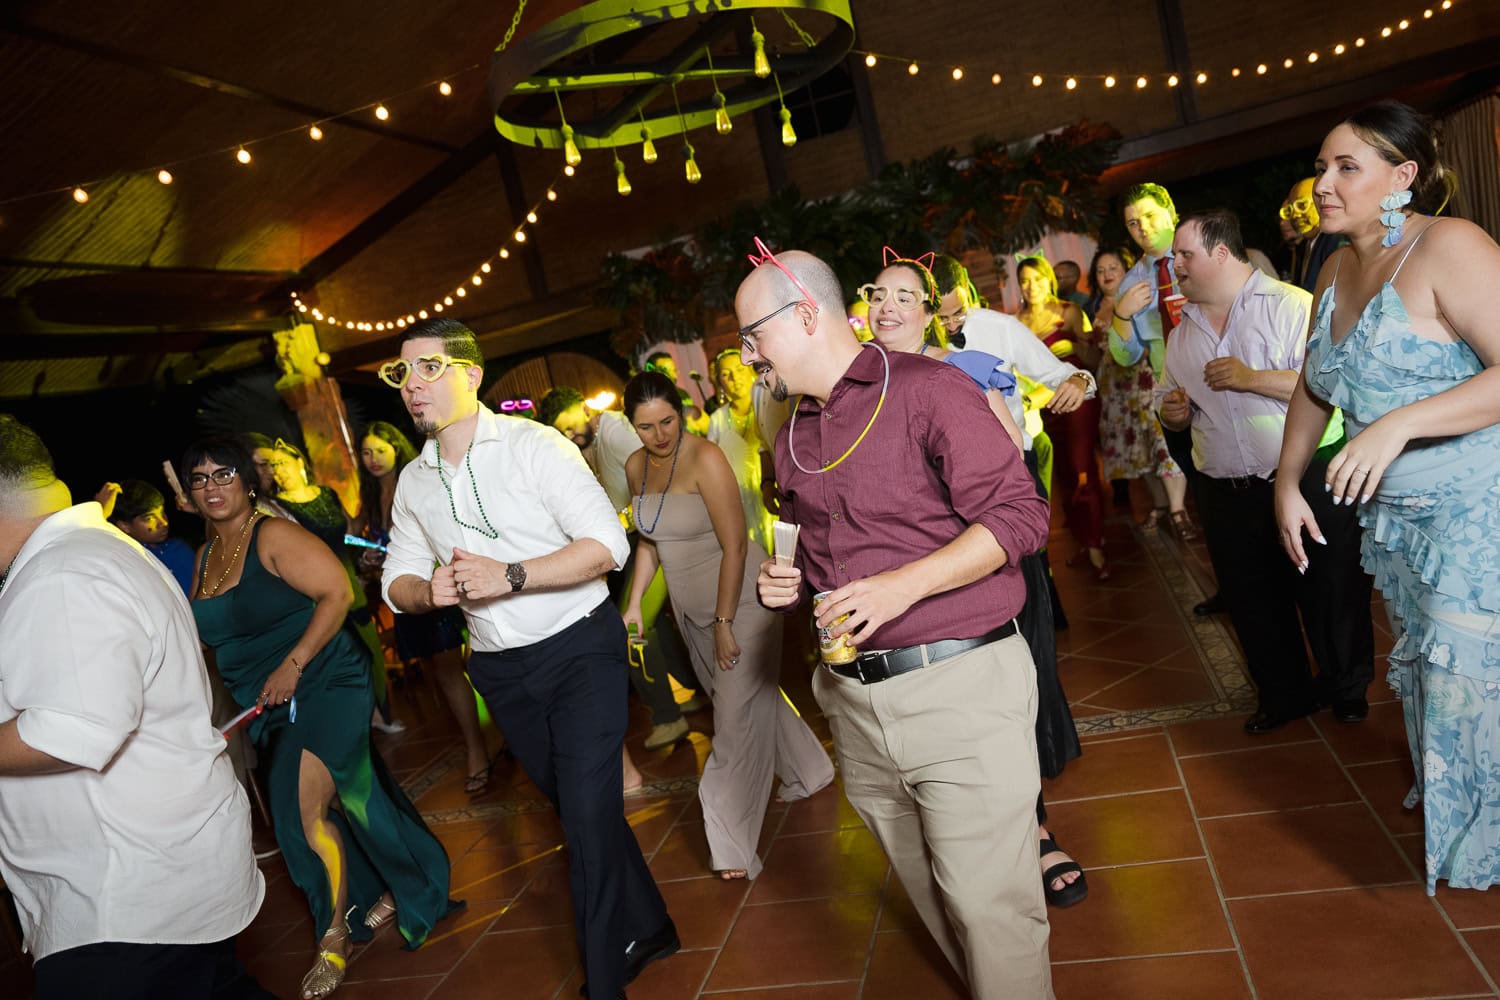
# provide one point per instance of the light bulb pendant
(788, 134)
(570, 148)
(691, 171)
(762, 64)
(648, 148)
(721, 120)
(622, 183)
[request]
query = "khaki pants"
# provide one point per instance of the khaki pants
(941, 764)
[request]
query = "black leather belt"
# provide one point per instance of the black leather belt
(872, 668)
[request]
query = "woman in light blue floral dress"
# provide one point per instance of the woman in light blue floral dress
(1404, 341)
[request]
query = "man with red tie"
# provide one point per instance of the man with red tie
(1149, 306)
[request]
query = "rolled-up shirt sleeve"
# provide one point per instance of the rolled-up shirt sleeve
(79, 688)
(408, 553)
(574, 497)
(983, 470)
(1036, 361)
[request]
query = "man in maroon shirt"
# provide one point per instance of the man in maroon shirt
(914, 508)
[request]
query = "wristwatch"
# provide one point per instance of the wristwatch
(516, 574)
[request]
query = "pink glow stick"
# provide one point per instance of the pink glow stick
(241, 719)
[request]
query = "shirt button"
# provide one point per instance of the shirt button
(835, 515)
(827, 415)
(841, 567)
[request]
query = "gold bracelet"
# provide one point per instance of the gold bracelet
(723, 621)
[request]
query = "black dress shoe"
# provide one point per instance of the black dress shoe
(1262, 722)
(642, 952)
(1214, 605)
(1351, 709)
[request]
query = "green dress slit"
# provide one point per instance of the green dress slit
(252, 627)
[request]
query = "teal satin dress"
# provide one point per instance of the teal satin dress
(252, 627)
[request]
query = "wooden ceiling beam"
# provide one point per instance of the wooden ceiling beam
(15, 26)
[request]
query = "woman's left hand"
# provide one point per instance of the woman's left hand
(1355, 471)
(280, 686)
(726, 650)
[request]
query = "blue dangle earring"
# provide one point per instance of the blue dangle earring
(1392, 218)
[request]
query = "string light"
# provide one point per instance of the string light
(568, 170)
(445, 88)
(1036, 81)
(1312, 57)
(80, 195)
(1404, 24)
(382, 112)
(1359, 43)
(1235, 71)
(551, 196)
(1286, 63)
(1261, 69)
(1385, 32)
(1140, 83)
(243, 155)
(476, 280)
(1338, 49)
(531, 217)
(958, 73)
(504, 253)
(870, 60)
(995, 79)
(164, 176)
(1109, 81)
(1202, 78)
(911, 68)
(520, 236)
(1071, 83)
(1172, 80)
(485, 267)
(315, 134)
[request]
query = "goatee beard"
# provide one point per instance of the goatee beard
(779, 391)
(425, 425)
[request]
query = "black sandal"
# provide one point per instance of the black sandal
(1071, 893)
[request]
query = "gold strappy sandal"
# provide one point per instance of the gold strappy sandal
(382, 913)
(328, 968)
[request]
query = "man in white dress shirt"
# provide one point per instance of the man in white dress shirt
(1231, 366)
(124, 835)
(523, 534)
(735, 428)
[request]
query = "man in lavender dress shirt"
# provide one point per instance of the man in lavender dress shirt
(1231, 367)
(914, 511)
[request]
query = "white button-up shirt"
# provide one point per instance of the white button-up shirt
(147, 841)
(1238, 434)
(614, 442)
(1022, 353)
(533, 486)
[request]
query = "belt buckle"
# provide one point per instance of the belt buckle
(871, 658)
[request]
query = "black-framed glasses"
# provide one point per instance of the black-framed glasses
(954, 321)
(429, 368)
(1299, 206)
(219, 477)
(747, 333)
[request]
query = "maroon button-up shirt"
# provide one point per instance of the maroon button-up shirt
(935, 461)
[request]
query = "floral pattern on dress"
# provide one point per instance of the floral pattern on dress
(1432, 542)
(1130, 439)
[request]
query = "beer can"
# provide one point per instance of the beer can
(834, 649)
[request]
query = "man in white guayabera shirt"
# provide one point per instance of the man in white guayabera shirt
(124, 835)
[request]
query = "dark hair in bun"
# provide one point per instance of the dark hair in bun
(1400, 133)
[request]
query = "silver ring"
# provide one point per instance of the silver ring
(1362, 472)
(463, 588)
(734, 662)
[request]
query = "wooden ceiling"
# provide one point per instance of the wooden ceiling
(147, 280)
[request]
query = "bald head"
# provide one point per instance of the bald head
(793, 348)
(1302, 208)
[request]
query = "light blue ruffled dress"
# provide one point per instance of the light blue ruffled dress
(1432, 542)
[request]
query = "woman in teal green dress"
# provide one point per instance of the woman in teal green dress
(272, 602)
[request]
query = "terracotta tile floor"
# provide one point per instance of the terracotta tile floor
(1220, 866)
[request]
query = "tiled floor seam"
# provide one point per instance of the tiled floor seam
(1421, 876)
(1267, 812)
(885, 892)
(1260, 748)
(735, 920)
(1132, 958)
(1113, 795)
(1213, 870)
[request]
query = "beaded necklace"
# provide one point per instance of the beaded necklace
(663, 501)
(488, 531)
(234, 558)
(792, 429)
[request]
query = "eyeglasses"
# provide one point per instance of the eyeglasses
(429, 368)
(1301, 206)
(906, 299)
(955, 320)
(220, 477)
(747, 333)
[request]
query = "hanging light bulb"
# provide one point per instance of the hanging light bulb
(531, 217)
(80, 195)
(570, 148)
(520, 236)
(721, 116)
(1235, 72)
(568, 170)
(1109, 81)
(504, 252)
(870, 60)
(648, 148)
(476, 281)
(315, 134)
(484, 269)
(551, 196)
(1201, 78)
(243, 155)
(164, 175)
(1172, 80)
(788, 134)
(690, 169)
(762, 64)
(382, 112)
(1070, 83)
(622, 183)
(912, 68)
(445, 88)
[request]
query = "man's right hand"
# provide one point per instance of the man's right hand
(1133, 300)
(1176, 409)
(444, 587)
(779, 586)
